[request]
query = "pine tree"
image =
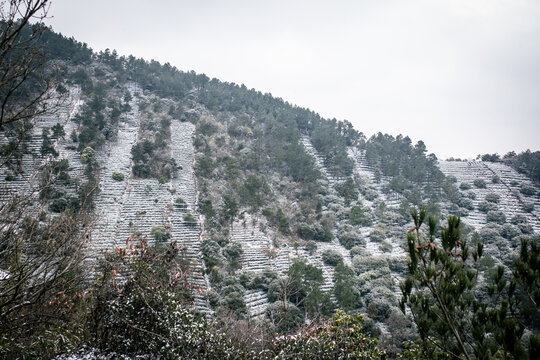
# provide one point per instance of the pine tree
(453, 312)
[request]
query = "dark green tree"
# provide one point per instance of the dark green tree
(453, 313)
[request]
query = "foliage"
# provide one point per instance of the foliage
(527, 190)
(117, 176)
(442, 294)
(347, 190)
(492, 197)
(480, 183)
(41, 280)
(360, 216)
(233, 252)
(527, 163)
(149, 160)
(311, 247)
(496, 217)
(341, 338)
(300, 288)
(141, 307)
(331, 257)
(398, 157)
(347, 295)
(189, 219)
(160, 234)
(254, 192)
(280, 220)
(351, 239)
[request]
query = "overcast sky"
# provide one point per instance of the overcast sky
(461, 75)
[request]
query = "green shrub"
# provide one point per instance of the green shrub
(118, 176)
(466, 203)
(492, 198)
(527, 190)
(180, 203)
(58, 205)
(351, 239)
(377, 235)
(341, 338)
(285, 315)
(360, 216)
(464, 186)
(234, 302)
(189, 219)
(305, 231)
(528, 207)
(311, 247)
(485, 206)
(233, 252)
(358, 250)
(480, 183)
(496, 217)
(332, 257)
(160, 234)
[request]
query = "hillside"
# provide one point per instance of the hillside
(249, 187)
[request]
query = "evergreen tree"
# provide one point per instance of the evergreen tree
(452, 311)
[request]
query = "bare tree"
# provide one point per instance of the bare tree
(41, 278)
(26, 87)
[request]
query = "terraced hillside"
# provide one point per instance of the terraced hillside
(267, 200)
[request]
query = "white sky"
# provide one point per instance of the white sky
(461, 75)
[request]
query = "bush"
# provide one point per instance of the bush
(358, 250)
(464, 186)
(332, 257)
(509, 231)
(285, 315)
(189, 219)
(480, 183)
(471, 195)
(377, 235)
(58, 205)
(233, 252)
(360, 216)
(234, 302)
(160, 234)
(117, 176)
(466, 203)
(526, 228)
(495, 179)
(180, 203)
(341, 338)
(305, 231)
(496, 217)
(518, 219)
(351, 239)
(527, 190)
(527, 207)
(492, 198)
(322, 232)
(485, 206)
(311, 247)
